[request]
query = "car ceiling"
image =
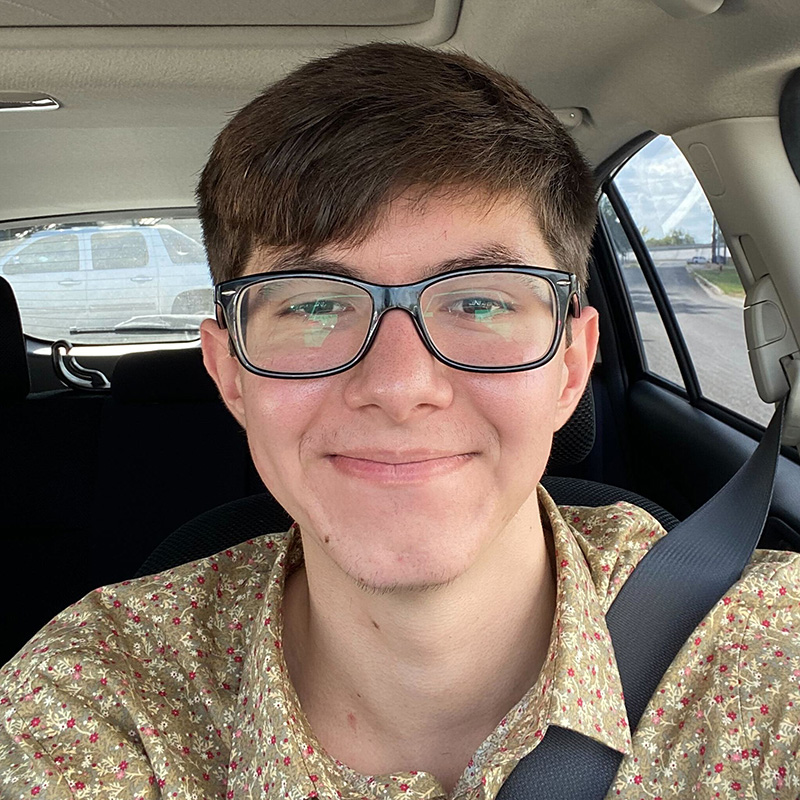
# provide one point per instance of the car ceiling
(145, 86)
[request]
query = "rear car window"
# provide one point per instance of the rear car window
(114, 279)
(182, 249)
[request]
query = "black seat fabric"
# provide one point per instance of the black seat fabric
(169, 450)
(254, 516)
(47, 475)
(15, 383)
(573, 443)
(166, 376)
(579, 492)
(217, 529)
(91, 483)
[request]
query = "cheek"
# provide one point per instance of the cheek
(522, 408)
(279, 414)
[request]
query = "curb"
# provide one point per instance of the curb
(715, 291)
(707, 285)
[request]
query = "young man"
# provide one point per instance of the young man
(398, 237)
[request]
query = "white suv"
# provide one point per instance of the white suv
(99, 283)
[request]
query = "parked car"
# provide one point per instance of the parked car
(697, 260)
(85, 283)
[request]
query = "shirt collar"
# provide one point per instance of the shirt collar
(586, 692)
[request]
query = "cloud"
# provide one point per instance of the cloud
(663, 193)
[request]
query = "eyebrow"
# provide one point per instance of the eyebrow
(487, 255)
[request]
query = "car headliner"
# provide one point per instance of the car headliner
(141, 104)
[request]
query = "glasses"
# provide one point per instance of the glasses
(311, 324)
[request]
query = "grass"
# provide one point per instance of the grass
(726, 279)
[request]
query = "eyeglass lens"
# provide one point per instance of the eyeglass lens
(489, 319)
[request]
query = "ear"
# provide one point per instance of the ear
(223, 367)
(578, 361)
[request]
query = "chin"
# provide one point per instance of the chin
(414, 543)
(406, 584)
(384, 570)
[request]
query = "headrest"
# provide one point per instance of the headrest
(16, 381)
(575, 440)
(162, 376)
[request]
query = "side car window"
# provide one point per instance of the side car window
(52, 253)
(119, 250)
(688, 253)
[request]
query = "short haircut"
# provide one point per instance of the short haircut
(315, 158)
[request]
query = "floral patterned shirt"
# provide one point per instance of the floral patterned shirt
(174, 685)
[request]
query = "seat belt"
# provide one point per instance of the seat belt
(671, 590)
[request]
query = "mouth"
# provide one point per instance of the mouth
(398, 468)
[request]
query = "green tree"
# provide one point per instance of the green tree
(676, 236)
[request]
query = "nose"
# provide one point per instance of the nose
(399, 375)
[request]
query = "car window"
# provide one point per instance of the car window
(181, 248)
(115, 279)
(52, 253)
(119, 250)
(689, 258)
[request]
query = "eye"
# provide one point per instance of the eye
(478, 307)
(319, 307)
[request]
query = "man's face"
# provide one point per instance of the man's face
(404, 472)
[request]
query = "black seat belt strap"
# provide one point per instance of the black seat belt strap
(674, 586)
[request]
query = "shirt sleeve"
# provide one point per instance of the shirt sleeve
(25, 771)
(131, 693)
(68, 709)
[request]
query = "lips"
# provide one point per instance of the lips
(411, 466)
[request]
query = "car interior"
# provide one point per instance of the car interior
(688, 111)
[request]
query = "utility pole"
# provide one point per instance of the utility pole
(717, 245)
(713, 239)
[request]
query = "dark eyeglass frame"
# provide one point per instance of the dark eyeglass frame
(227, 295)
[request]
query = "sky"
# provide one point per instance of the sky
(662, 192)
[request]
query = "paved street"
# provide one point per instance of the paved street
(713, 329)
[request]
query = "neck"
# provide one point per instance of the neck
(416, 680)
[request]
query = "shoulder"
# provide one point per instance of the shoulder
(766, 599)
(136, 613)
(619, 526)
(765, 606)
(153, 649)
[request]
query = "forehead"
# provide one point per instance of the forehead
(415, 236)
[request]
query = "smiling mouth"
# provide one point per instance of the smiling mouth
(399, 468)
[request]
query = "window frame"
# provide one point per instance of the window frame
(691, 383)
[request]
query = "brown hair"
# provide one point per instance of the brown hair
(315, 157)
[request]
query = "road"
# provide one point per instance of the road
(713, 329)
